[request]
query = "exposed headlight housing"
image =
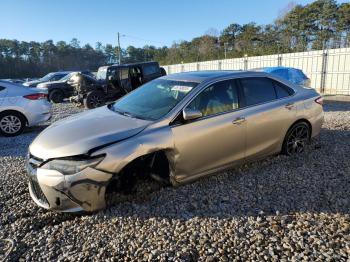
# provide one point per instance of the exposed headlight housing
(70, 166)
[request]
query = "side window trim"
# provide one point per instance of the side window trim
(273, 82)
(240, 97)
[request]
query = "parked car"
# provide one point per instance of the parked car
(20, 107)
(61, 89)
(16, 81)
(174, 129)
(294, 75)
(113, 82)
(55, 76)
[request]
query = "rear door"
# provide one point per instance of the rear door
(269, 112)
(214, 140)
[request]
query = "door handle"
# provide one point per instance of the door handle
(289, 106)
(238, 120)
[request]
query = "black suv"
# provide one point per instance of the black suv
(115, 81)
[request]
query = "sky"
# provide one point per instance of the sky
(148, 22)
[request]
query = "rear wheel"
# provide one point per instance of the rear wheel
(296, 139)
(12, 123)
(94, 99)
(56, 96)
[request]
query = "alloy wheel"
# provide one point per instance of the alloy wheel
(95, 101)
(10, 124)
(297, 139)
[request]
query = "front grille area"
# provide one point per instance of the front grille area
(38, 192)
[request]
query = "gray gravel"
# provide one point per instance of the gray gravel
(292, 208)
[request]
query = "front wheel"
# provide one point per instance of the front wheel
(12, 123)
(296, 139)
(56, 96)
(94, 99)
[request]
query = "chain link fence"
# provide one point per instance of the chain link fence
(329, 70)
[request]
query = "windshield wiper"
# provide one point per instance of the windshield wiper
(124, 113)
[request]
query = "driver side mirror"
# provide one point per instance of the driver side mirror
(191, 114)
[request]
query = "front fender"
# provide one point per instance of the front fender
(148, 141)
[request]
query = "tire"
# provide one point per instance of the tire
(94, 99)
(56, 96)
(12, 123)
(296, 139)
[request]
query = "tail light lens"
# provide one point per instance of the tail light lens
(36, 96)
(319, 100)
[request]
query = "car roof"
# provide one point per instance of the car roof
(274, 68)
(128, 65)
(62, 72)
(205, 76)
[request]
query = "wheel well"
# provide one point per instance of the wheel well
(141, 168)
(305, 121)
(15, 111)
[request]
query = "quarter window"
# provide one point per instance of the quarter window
(257, 90)
(217, 98)
(282, 91)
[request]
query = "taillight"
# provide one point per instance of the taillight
(36, 96)
(319, 100)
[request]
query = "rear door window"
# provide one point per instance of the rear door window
(257, 90)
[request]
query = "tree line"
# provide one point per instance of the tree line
(320, 24)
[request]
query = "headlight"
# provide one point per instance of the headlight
(71, 166)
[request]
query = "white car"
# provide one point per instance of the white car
(20, 107)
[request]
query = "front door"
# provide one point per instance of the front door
(125, 81)
(214, 140)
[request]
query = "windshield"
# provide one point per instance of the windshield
(47, 77)
(101, 73)
(154, 99)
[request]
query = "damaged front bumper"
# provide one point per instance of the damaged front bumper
(83, 191)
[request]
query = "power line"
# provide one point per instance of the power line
(142, 39)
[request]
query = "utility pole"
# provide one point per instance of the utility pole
(119, 55)
(225, 48)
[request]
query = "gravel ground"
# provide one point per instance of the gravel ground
(280, 208)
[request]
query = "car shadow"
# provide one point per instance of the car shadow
(22, 142)
(303, 183)
(334, 106)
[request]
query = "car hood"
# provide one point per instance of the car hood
(82, 132)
